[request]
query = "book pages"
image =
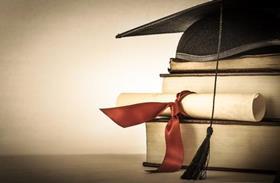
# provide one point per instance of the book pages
(232, 146)
(267, 84)
(243, 63)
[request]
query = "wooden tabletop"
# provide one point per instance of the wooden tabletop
(101, 169)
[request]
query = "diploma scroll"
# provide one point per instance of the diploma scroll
(240, 107)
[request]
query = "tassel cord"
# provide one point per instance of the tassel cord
(198, 166)
(217, 62)
(216, 77)
(216, 80)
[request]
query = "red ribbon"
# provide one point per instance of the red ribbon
(131, 115)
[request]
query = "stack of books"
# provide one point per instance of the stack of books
(236, 145)
(249, 63)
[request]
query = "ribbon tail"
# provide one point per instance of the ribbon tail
(174, 155)
(131, 115)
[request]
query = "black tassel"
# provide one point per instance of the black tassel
(196, 170)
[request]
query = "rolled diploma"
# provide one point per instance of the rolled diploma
(241, 107)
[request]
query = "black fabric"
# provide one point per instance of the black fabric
(261, 51)
(243, 30)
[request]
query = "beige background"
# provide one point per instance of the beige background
(60, 62)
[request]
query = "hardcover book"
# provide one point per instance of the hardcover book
(244, 63)
(234, 145)
(265, 83)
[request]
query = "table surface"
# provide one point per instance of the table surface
(99, 168)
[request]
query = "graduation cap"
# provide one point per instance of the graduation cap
(214, 30)
(249, 28)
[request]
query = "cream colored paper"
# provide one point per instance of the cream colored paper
(241, 107)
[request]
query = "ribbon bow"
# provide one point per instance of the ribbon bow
(135, 114)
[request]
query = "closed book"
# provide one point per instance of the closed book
(234, 145)
(265, 83)
(237, 64)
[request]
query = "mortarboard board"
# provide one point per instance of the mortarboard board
(249, 28)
